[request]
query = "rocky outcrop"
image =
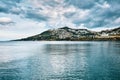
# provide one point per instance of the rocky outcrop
(67, 33)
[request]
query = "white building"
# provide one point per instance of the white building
(105, 35)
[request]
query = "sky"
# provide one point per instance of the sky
(23, 18)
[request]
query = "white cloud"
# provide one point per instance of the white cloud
(117, 21)
(105, 5)
(82, 26)
(5, 20)
(82, 14)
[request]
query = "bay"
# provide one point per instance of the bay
(60, 60)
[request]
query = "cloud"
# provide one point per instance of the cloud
(82, 4)
(117, 21)
(104, 5)
(77, 12)
(5, 20)
(100, 15)
(35, 16)
(9, 6)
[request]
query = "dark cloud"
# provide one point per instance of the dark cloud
(51, 3)
(35, 15)
(69, 14)
(4, 9)
(7, 6)
(101, 12)
(11, 2)
(84, 4)
(6, 23)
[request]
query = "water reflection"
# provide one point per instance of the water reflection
(59, 61)
(67, 60)
(58, 64)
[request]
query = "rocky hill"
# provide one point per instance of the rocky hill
(111, 32)
(67, 33)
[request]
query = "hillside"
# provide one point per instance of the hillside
(67, 33)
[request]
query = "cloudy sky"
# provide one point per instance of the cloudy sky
(21, 18)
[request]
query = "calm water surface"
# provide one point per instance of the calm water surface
(59, 60)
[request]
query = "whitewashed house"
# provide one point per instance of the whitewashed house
(104, 35)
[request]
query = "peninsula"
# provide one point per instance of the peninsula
(69, 34)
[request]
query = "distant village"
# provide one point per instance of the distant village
(70, 34)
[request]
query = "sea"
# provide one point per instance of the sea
(60, 60)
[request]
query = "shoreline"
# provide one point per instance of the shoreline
(80, 39)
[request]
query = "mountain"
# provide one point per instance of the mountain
(66, 33)
(111, 32)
